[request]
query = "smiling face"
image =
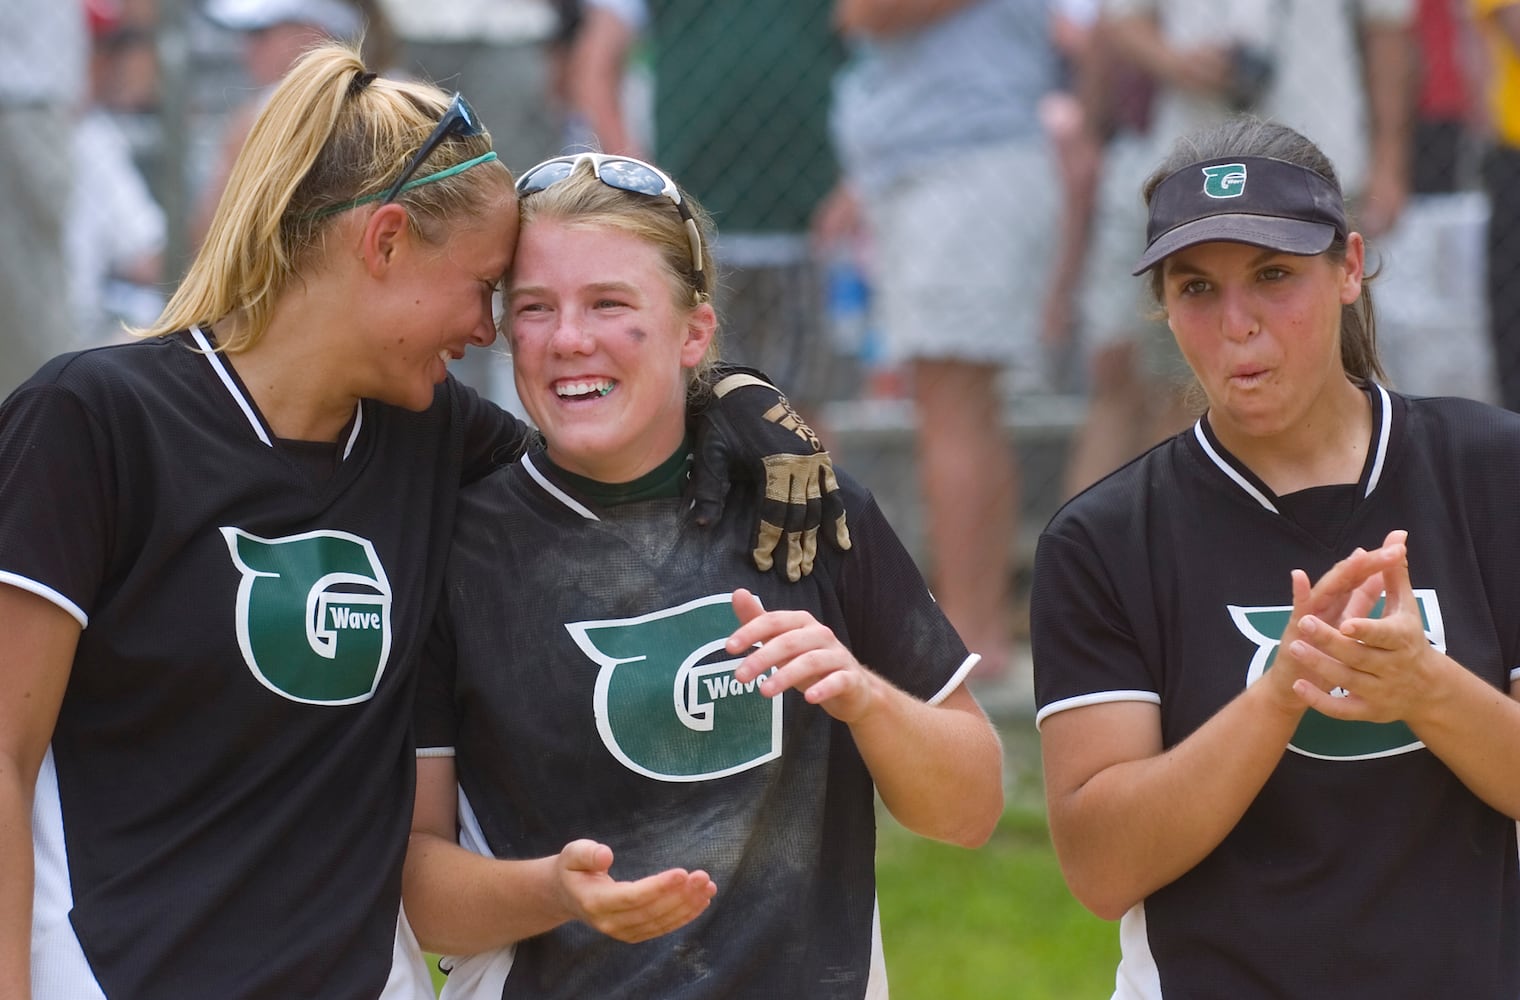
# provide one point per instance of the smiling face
(433, 303)
(600, 348)
(1261, 331)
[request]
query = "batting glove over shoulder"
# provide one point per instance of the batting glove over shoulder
(750, 431)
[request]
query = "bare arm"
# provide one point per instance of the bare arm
(938, 767)
(1128, 816)
(1390, 99)
(1074, 123)
(1138, 38)
(40, 639)
(883, 18)
(598, 59)
(460, 902)
(836, 221)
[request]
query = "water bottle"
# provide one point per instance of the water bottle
(849, 305)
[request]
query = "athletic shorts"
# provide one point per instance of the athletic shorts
(1114, 306)
(963, 252)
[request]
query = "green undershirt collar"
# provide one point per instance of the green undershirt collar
(664, 481)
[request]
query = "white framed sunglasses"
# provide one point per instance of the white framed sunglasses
(626, 174)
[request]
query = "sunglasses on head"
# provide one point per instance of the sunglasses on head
(626, 174)
(458, 120)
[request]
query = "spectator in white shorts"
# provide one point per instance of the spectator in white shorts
(938, 130)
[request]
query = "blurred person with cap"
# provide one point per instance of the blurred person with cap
(43, 46)
(1278, 789)
(275, 33)
(336, 17)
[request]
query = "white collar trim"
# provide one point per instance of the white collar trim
(1380, 456)
(555, 491)
(220, 367)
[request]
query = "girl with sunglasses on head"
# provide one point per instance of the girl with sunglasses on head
(219, 549)
(655, 777)
(1276, 657)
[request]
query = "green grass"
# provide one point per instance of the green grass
(996, 923)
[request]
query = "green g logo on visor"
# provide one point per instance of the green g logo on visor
(1224, 180)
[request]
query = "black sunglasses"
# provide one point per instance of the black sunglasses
(626, 174)
(460, 120)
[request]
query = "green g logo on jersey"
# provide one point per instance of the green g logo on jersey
(1224, 180)
(667, 704)
(313, 614)
(1319, 735)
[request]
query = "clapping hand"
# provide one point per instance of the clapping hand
(1379, 668)
(1347, 591)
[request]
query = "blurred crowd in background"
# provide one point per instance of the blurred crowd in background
(928, 211)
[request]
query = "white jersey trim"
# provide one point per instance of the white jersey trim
(1225, 467)
(556, 492)
(1380, 453)
(226, 377)
(47, 593)
(1382, 443)
(483, 975)
(1137, 977)
(222, 373)
(1514, 675)
(353, 435)
(59, 968)
(956, 679)
(409, 978)
(876, 982)
(434, 752)
(1096, 698)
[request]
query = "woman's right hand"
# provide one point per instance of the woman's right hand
(628, 911)
(1349, 589)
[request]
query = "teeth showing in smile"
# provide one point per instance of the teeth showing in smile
(583, 388)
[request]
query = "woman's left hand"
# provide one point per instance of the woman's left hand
(1382, 669)
(804, 654)
(749, 431)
